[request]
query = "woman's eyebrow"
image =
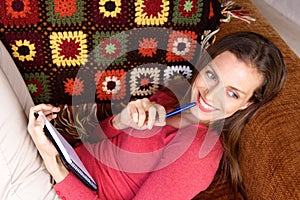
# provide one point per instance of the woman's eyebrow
(238, 90)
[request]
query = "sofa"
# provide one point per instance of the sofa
(270, 144)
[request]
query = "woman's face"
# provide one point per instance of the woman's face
(223, 87)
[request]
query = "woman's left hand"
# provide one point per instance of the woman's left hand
(45, 147)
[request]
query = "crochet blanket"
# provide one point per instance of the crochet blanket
(75, 51)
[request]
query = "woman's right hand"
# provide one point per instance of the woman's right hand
(140, 114)
(45, 147)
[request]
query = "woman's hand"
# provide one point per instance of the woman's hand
(45, 147)
(140, 114)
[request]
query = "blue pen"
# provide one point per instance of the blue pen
(180, 109)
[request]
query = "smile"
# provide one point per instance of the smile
(204, 106)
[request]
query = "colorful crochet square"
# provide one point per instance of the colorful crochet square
(19, 12)
(187, 12)
(144, 81)
(110, 47)
(26, 48)
(38, 86)
(151, 12)
(112, 12)
(181, 46)
(68, 48)
(65, 12)
(110, 84)
(147, 45)
(176, 72)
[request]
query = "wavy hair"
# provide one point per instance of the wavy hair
(259, 52)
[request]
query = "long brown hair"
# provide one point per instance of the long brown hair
(259, 52)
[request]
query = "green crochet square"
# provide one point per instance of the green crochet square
(187, 12)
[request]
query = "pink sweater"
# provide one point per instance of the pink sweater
(162, 163)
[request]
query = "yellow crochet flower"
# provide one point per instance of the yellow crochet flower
(154, 12)
(68, 48)
(110, 8)
(23, 50)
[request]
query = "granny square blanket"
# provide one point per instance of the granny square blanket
(76, 51)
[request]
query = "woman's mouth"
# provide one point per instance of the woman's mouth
(204, 106)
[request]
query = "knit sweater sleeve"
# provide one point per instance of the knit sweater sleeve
(72, 188)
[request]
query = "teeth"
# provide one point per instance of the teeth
(205, 105)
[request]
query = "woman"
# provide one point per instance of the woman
(142, 155)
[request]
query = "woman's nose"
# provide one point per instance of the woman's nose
(215, 93)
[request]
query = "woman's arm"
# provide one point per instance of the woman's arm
(45, 147)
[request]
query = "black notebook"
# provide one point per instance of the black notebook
(68, 155)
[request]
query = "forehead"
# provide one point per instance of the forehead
(236, 73)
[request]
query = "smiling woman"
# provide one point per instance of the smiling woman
(262, 74)
(224, 87)
(139, 150)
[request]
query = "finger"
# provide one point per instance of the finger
(151, 117)
(42, 107)
(161, 112)
(141, 113)
(46, 108)
(51, 116)
(53, 110)
(36, 127)
(132, 112)
(32, 118)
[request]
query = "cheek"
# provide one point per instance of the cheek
(199, 82)
(231, 107)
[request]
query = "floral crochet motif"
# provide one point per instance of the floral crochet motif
(113, 12)
(110, 85)
(65, 12)
(110, 8)
(181, 46)
(144, 81)
(110, 48)
(187, 12)
(74, 86)
(23, 50)
(19, 12)
(38, 86)
(69, 48)
(151, 12)
(148, 47)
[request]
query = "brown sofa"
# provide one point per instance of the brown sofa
(270, 144)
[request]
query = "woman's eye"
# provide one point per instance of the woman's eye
(233, 95)
(211, 75)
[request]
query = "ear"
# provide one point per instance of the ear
(246, 106)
